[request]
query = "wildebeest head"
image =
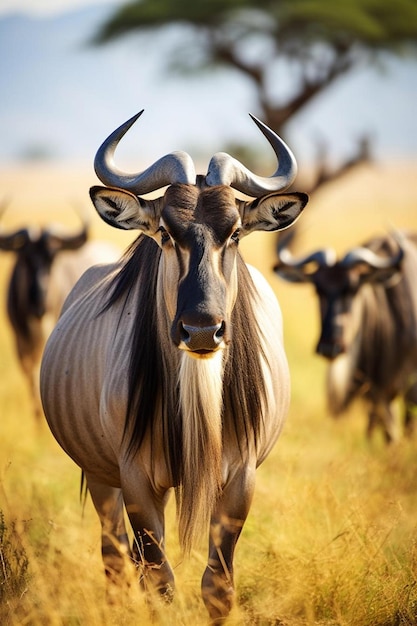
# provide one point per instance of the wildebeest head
(197, 224)
(35, 249)
(338, 283)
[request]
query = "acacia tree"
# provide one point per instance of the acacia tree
(320, 41)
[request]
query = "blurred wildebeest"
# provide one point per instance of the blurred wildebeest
(368, 310)
(47, 265)
(178, 378)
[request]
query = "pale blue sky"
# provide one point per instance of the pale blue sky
(58, 94)
(48, 7)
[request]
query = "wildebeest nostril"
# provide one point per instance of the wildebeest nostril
(202, 337)
(220, 332)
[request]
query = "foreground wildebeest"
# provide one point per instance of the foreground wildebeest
(178, 378)
(368, 309)
(47, 266)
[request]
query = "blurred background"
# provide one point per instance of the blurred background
(338, 81)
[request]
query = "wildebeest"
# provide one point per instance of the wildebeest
(178, 378)
(46, 267)
(368, 310)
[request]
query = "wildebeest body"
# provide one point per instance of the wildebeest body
(368, 307)
(170, 371)
(47, 265)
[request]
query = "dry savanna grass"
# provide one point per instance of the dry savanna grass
(331, 536)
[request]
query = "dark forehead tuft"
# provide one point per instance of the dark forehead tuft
(179, 206)
(334, 280)
(216, 203)
(181, 196)
(214, 207)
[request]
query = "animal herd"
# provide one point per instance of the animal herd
(47, 264)
(164, 370)
(368, 312)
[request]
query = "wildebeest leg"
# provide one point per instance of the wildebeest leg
(225, 528)
(380, 414)
(31, 370)
(108, 502)
(146, 515)
(36, 394)
(410, 399)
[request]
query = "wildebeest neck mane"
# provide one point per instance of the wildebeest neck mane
(153, 368)
(24, 300)
(385, 308)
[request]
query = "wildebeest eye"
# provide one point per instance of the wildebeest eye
(235, 235)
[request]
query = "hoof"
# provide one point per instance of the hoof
(218, 596)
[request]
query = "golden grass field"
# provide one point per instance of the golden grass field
(331, 538)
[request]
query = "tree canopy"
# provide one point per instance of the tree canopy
(319, 40)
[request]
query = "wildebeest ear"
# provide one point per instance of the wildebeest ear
(122, 209)
(387, 276)
(275, 211)
(293, 274)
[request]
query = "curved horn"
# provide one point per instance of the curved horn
(326, 257)
(67, 242)
(60, 241)
(176, 167)
(365, 255)
(12, 242)
(226, 170)
(4, 204)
